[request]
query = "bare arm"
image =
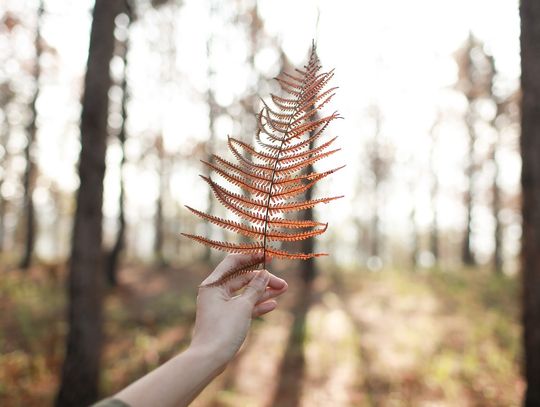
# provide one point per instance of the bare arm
(222, 322)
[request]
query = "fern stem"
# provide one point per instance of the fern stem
(270, 196)
(272, 182)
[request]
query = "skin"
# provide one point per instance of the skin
(222, 323)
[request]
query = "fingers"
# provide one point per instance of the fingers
(256, 287)
(277, 283)
(263, 308)
(239, 282)
(272, 293)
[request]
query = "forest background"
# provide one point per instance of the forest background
(106, 110)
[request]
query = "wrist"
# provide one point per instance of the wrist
(209, 356)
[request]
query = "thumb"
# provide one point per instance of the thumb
(256, 287)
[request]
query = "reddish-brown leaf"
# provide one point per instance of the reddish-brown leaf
(271, 172)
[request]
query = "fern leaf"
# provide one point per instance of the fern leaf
(271, 173)
(226, 246)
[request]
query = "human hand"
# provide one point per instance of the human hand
(223, 317)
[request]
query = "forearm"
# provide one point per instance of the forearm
(175, 383)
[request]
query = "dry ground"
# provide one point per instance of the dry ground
(354, 339)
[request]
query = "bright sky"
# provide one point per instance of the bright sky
(396, 54)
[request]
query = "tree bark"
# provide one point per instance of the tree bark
(29, 173)
(530, 181)
(80, 373)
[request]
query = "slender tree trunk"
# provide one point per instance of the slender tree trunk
(159, 222)
(414, 236)
(467, 254)
(113, 257)
(80, 373)
(375, 226)
(5, 130)
(530, 181)
(255, 35)
(308, 268)
(496, 206)
(3, 207)
(212, 114)
(377, 171)
(434, 232)
(29, 173)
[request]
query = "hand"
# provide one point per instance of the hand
(223, 318)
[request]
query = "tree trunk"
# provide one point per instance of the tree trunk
(80, 373)
(308, 268)
(158, 225)
(2, 221)
(434, 232)
(415, 244)
(29, 173)
(467, 254)
(113, 257)
(4, 138)
(469, 81)
(496, 206)
(212, 114)
(530, 181)
(377, 169)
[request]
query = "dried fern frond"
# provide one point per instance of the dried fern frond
(271, 174)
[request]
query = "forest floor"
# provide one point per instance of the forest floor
(356, 338)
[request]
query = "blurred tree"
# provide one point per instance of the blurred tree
(213, 109)
(168, 53)
(499, 104)
(434, 192)
(163, 174)
(6, 94)
(380, 161)
(496, 200)
(504, 106)
(308, 267)
(530, 182)
(29, 172)
(80, 373)
(113, 256)
(496, 208)
(466, 82)
(475, 82)
(415, 239)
